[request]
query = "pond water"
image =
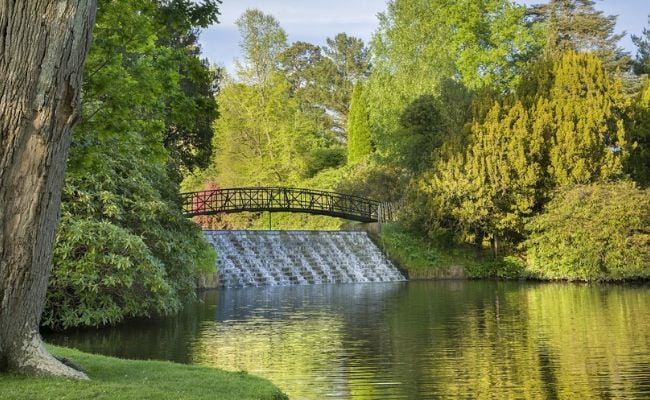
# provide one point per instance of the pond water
(416, 340)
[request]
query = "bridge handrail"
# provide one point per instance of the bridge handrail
(261, 198)
(315, 191)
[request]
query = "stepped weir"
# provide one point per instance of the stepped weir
(263, 258)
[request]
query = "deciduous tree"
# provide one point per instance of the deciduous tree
(263, 40)
(351, 61)
(420, 45)
(44, 46)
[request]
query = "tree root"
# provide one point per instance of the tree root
(34, 359)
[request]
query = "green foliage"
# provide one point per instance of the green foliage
(419, 46)
(638, 165)
(359, 143)
(521, 150)
(642, 61)
(119, 202)
(494, 185)
(439, 258)
(323, 158)
(117, 379)
(191, 107)
(263, 40)
(423, 130)
(592, 232)
(374, 180)
(310, 74)
(575, 25)
(124, 248)
(262, 138)
(103, 274)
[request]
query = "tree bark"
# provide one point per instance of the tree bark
(43, 45)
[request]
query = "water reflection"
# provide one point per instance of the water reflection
(420, 340)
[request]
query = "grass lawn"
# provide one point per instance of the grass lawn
(113, 378)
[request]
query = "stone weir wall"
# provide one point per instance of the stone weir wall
(259, 258)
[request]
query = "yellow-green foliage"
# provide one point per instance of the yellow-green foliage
(592, 232)
(495, 183)
(261, 138)
(116, 379)
(571, 131)
(583, 117)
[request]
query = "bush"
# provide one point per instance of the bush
(103, 274)
(124, 248)
(592, 232)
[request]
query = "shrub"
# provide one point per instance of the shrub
(103, 274)
(592, 232)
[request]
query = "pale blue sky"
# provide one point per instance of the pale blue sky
(314, 21)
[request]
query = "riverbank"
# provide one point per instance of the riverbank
(115, 379)
(422, 259)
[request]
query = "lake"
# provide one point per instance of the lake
(414, 340)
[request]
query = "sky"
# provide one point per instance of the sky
(314, 21)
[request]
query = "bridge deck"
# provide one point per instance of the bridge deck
(281, 199)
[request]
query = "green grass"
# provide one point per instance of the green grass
(113, 378)
(422, 258)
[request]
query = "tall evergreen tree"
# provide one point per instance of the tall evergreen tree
(642, 61)
(585, 109)
(576, 25)
(359, 143)
(491, 188)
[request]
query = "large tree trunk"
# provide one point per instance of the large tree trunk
(43, 45)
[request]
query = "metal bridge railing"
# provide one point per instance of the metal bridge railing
(281, 199)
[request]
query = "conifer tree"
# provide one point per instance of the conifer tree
(585, 109)
(576, 25)
(359, 144)
(642, 61)
(496, 183)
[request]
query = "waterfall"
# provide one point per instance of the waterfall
(258, 258)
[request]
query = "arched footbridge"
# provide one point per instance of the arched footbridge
(283, 199)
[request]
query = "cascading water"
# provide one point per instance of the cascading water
(258, 258)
